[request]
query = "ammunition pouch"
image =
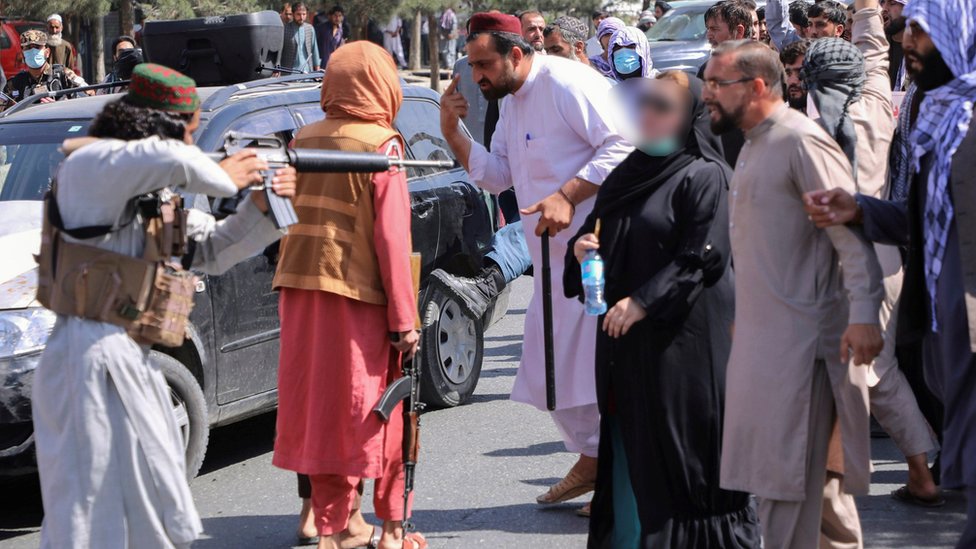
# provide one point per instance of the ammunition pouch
(149, 296)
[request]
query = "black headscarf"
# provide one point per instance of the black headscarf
(639, 175)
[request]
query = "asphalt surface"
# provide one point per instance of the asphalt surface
(482, 465)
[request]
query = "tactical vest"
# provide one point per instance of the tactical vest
(151, 297)
(331, 248)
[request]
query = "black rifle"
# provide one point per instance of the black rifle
(407, 390)
(276, 153)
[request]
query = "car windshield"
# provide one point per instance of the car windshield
(679, 25)
(29, 159)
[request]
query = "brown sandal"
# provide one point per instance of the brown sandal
(571, 487)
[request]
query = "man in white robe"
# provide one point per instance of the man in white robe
(555, 142)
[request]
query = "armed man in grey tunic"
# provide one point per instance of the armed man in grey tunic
(109, 451)
(796, 319)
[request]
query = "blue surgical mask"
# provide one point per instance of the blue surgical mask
(659, 147)
(34, 58)
(626, 61)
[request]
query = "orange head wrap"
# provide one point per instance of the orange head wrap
(361, 82)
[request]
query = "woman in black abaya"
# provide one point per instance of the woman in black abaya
(663, 346)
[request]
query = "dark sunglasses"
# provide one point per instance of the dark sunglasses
(657, 104)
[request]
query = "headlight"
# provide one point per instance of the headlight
(24, 331)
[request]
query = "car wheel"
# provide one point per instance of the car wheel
(189, 407)
(451, 349)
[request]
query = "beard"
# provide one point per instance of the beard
(798, 102)
(930, 70)
(497, 90)
(54, 40)
(894, 26)
(727, 121)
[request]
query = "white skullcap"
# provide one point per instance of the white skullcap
(55, 17)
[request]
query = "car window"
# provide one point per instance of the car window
(4, 39)
(419, 122)
(30, 156)
(679, 25)
(264, 123)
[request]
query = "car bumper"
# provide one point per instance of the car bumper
(16, 428)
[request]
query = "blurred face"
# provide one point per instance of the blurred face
(820, 27)
(658, 12)
(605, 42)
(191, 127)
(763, 31)
(123, 45)
(299, 15)
(337, 18)
(923, 60)
(755, 25)
(556, 45)
(532, 27)
(796, 92)
(663, 109)
(286, 14)
(54, 27)
(494, 73)
(726, 101)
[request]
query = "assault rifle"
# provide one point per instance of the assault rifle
(407, 390)
(276, 153)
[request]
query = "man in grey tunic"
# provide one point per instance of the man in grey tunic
(938, 303)
(108, 449)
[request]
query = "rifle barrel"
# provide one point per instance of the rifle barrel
(319, 161)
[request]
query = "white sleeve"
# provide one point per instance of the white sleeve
(222, 244)
(152, 164)
(586, 108)
(490, 170)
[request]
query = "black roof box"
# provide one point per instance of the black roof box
(216, 51)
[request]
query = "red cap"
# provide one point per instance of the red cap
(495, 22)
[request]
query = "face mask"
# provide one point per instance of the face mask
(34, 58)
(659, 147)
(626, 61)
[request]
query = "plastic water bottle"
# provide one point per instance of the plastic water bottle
(593, 283)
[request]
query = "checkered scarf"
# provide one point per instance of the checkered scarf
(944, 118)
(833, 71)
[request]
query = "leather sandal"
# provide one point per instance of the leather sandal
(572, 486)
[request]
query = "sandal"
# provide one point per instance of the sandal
(571, 487)
(307, 540)
(416, 540)
(905, 495)
(374, 539)
(585, 511)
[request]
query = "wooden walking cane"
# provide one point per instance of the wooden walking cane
(547, 324)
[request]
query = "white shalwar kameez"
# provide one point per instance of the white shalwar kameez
(109, 452)
(557, 126)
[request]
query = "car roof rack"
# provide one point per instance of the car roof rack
(34, 99)
(221, 96)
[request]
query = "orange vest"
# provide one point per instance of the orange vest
(331, 248)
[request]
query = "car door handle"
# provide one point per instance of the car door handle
(422, 208)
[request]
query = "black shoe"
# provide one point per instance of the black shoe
(474, 295)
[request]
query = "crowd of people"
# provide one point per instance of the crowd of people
(786, 254)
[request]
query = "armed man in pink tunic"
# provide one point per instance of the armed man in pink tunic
(556, 143)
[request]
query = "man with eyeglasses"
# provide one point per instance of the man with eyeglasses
(801, 324)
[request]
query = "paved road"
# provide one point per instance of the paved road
(482, 466)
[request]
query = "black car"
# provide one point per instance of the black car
(227, 368)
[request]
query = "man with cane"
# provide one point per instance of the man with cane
(555, 142)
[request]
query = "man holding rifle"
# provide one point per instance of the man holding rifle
(556, 142)
(109, 450)
(348, 310)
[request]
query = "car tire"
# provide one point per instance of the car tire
(190, 408)
(452, 349)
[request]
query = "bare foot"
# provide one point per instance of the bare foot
(920, 482)
(306, 521)
(393, 537)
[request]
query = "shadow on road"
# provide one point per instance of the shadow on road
(541, 449)
(239, 442)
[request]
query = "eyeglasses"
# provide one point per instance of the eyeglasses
(713, 85)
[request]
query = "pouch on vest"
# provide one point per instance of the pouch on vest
(149, 297)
